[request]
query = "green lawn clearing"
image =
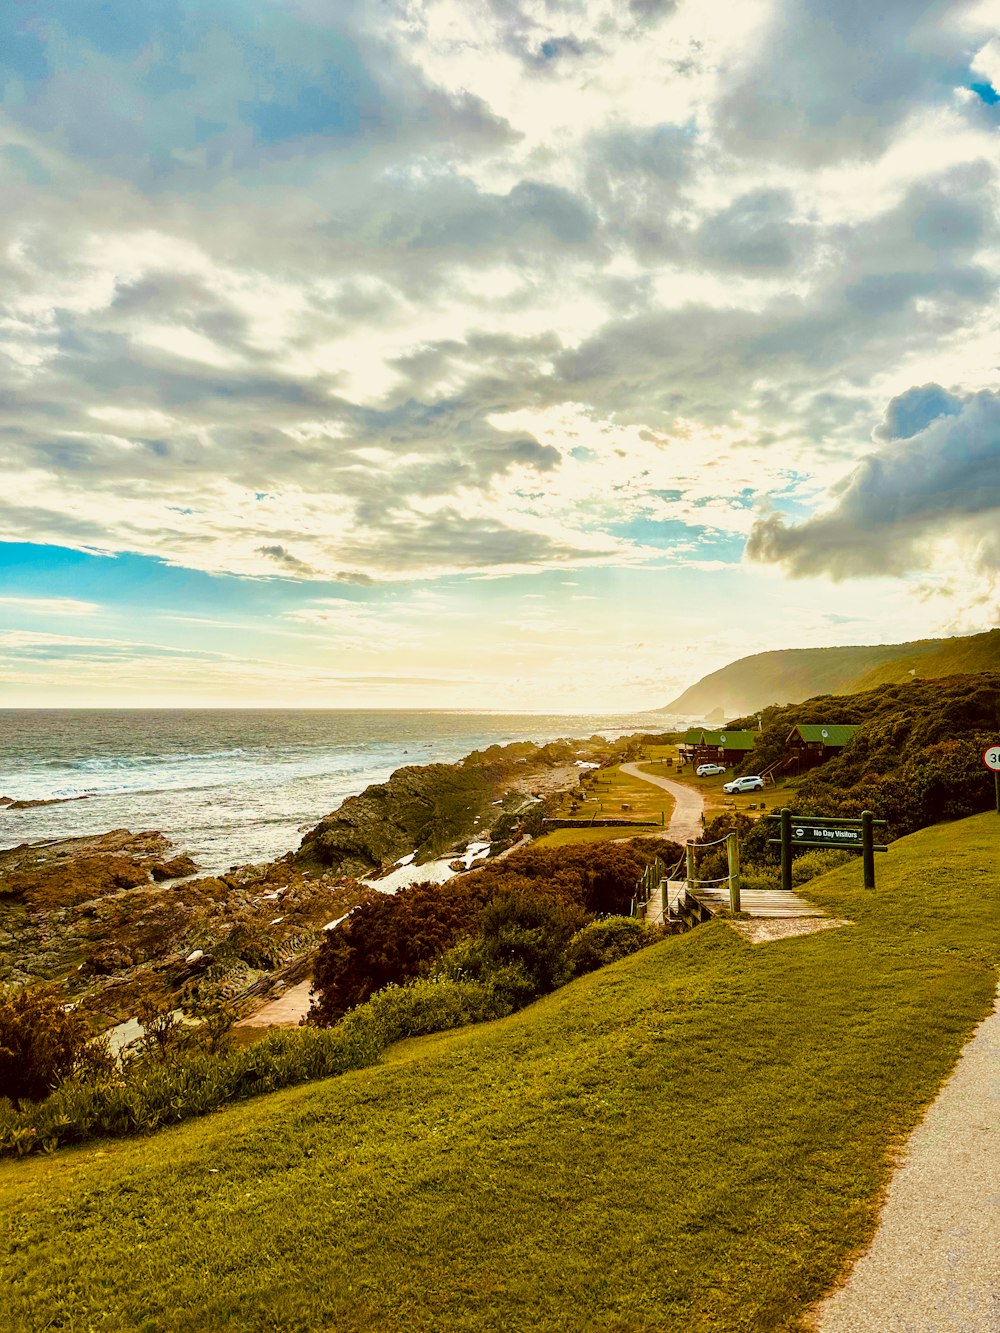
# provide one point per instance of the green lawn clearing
(608, 793)
(694, 1138)
(565, 837)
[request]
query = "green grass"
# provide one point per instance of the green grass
(566, 837)
(694, 1138)
(611, 794)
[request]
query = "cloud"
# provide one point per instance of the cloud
(940, 480)
(287, 562)
(317, 292)
(50, 606)
(819, 83)
(909, 413)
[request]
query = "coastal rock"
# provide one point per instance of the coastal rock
(427, 809)
(11, 804)
(86, 912)
(178, 867)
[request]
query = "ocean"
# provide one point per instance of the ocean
(231, 786)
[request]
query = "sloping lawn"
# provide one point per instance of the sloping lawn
(694, 1138)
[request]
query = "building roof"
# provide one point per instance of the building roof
(736, 740)
(724, 739)
(829, 734)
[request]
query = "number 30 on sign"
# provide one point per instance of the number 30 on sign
(991, 758)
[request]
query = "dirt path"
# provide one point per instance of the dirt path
(935, 1261)
(685, 822)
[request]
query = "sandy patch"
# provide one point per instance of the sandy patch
(763, 931)
(285, 1012)
(544, 782)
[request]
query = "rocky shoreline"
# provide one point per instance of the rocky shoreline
(113, 916)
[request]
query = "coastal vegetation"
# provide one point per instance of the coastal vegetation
(397, 937)
(692, 1138)
(430, 958)
(915, 759)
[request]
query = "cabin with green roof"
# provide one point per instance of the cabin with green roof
(704, 746)
(812, 743)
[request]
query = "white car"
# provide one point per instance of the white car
(750, 783)
(709, 770)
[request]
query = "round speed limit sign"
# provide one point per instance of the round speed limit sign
(991, 758)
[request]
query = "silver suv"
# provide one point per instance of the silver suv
(749, 783)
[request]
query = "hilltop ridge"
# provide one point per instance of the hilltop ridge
(789, 675)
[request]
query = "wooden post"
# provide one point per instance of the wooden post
(689, 854)
(868, 848)
(733, 853)
(786, 850)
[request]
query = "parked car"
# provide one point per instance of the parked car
(709, 770)
(750, 783)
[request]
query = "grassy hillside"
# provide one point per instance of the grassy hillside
(791, 674)
(692, 1139)
(974, 653)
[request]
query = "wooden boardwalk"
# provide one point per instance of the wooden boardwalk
(757, 902)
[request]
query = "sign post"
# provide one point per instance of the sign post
(868, 849)
(991, 758)
(854, 835)
(733, 854)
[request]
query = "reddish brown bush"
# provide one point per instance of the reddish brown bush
(40, 1042)
(399, 937)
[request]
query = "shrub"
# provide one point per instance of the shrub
(807, 865)
(605, 941)
(40, 1042)
(148, 1093)
(430, 1004)
(520, 946)
(399, 937)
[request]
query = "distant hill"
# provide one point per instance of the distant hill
(790, 675)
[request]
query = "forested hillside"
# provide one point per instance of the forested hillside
(916, 758)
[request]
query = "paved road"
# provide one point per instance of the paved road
(934, 1265)
(685, 822)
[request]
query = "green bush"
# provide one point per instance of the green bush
(605, 941)
(807, 865)
(40, 1042)
(148, 1093)
(519, 947)
(430, 1004)
(401, 936)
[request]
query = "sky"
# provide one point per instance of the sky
(490, 354)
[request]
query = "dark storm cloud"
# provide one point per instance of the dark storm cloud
(927, 483)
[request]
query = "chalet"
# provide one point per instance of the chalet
(703, 746)
(809, 744)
